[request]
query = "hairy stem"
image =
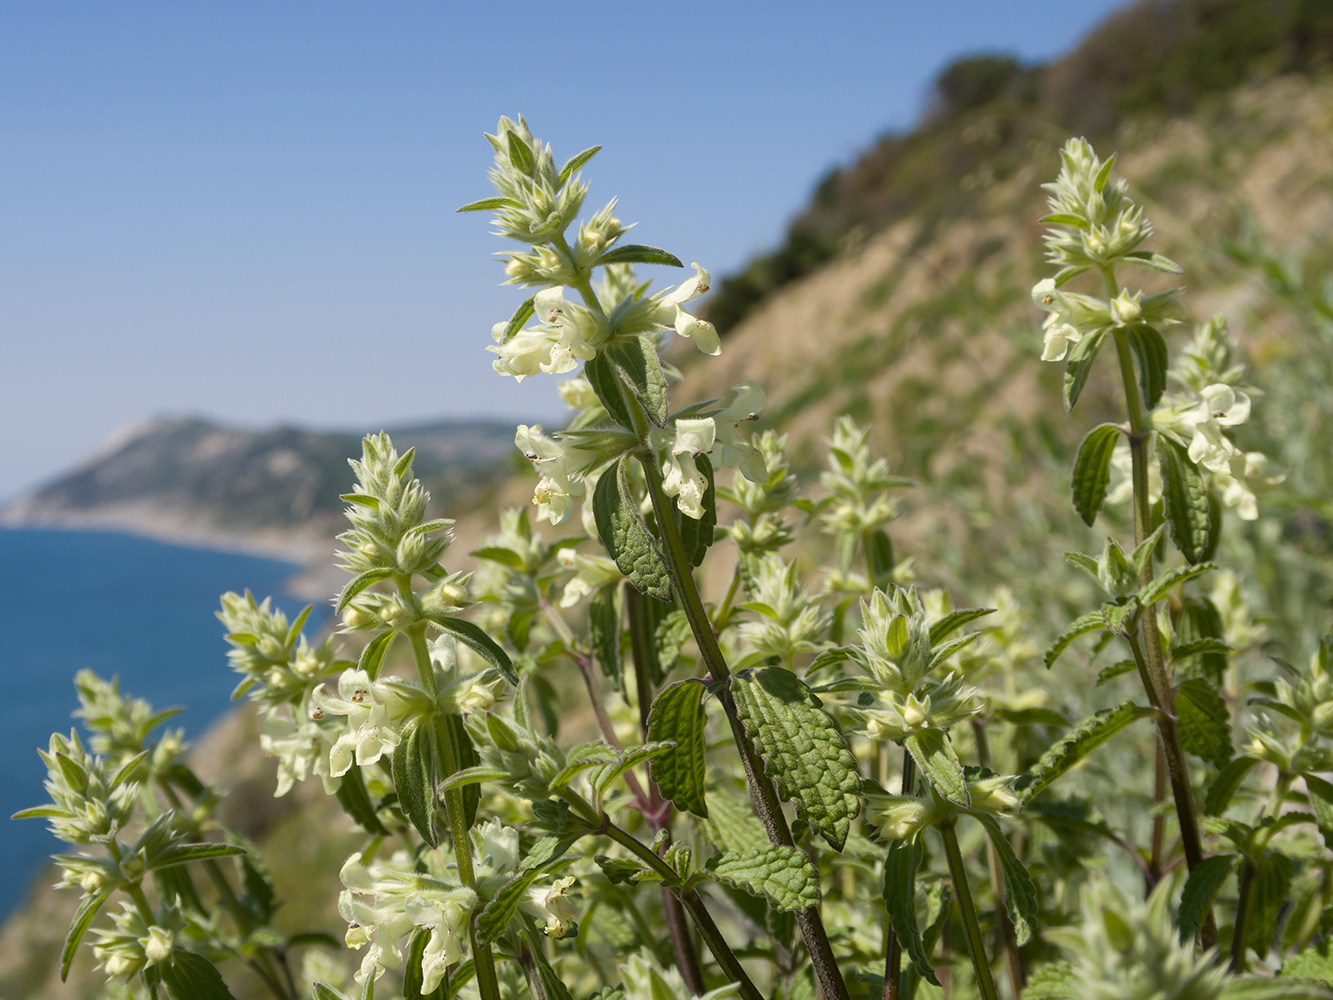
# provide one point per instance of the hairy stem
(762, 792)
(1158, 680)
(893, 949)
(694, 903)
(967, 910)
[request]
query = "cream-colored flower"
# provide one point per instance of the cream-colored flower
(682, 478)
(671, 313)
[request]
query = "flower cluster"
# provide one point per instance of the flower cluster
(711, 428)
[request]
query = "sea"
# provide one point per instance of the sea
(124, 606)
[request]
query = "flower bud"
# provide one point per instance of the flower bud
(158, 946)
(1126, 308)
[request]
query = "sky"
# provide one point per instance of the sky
(246, 211)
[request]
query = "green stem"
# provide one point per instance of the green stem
(762, 793)
(967, 910)
(1157, 679)
(694, 903)
(893, 949)
(483, 959)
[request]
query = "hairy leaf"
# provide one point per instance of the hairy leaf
(1168, 581)
(192, 977)
(1079, 366)
(1270, 892)
(625, 536)
(1092, 622)
(1020, 895)
(372, 657)
(1314, 963)
(732, 824)
(1185, 499)
(900, 866)
(1224, 786)
(355, 800)
(604, 625)
(416, 776)
(476, 639)
(953, 621)
(783, 874)
(185, 853)
(78, 927)
(1092, 471)
(803, 749)
(1075, 747)
(606, 384)
(1205, 722)
(575, 163)
(1149, 347)
(935, 756)
(678, 715)
(696, 534)
(1200, 890)
(635, 360)
(634, 253)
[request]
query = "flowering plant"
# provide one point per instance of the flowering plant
(823, 782)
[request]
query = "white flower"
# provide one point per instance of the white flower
(1069, 317)
(682, 478)
(1220, 406)
(1248, 475)
(567, 333)
(743, 404)
(300, 748)
(552, 903)
(577, 393)
(592, 572)
(371, 710)
(556, 485)
(671, 313)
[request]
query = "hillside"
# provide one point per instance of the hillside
(272, 491)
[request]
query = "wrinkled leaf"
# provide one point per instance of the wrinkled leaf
(1092, 471)
(678, 715)
(783, 874)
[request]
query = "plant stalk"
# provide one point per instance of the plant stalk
(1159, 692)
(967, 910)
(893, 949)
(762, 792)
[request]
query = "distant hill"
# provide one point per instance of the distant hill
(1153, 59)
(273, 491)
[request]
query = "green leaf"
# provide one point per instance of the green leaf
(325, 992)
(1031, 717)
(1092, 471)
(900, 866)
(552, 986)
(1270, 891)
(1103, 175)
(413, 979)
(697, 533)
(360, 582)
(1092, 622)
(603, 775)
(416, 776)
(1115, 670)
(1185, 499)
(575, 163)
(935, 756)
(1158, 589)
(480, 643)
(1196, 647)
(1205, 722)
(1075, 747)
(604, 626)
(669, 639)
(678, 715)
(783, 874)
(953, 621)
(633, 253)
(1200, 890)
(498, 554)
(635, 360)
(732, 825)
(185, 853)
(1224, 786)
(1146, 258)
(78, 927)
(1064, 219)
(626, 537)
(1149, 347)
(879, 558)
(602, 377)
(1314, 963)
(372, 657)
(192, 977)
(1079, 366)
(450, 727)
(355, 800)
(520, 154)
(493, 920)
(802, 747)
(488, 204)
(1020, 895)
(625, 871)
(1199, 621)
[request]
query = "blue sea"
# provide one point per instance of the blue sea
(122, 605)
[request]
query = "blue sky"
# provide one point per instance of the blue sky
(245, 210)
